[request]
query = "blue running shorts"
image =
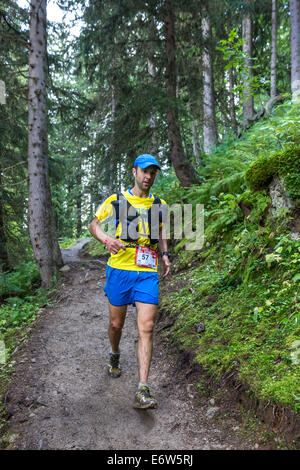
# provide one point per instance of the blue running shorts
(126, 287)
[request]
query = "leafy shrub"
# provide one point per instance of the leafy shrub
(19, 282)
(16, 315)
(67, 242)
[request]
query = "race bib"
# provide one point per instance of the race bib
(145, 257)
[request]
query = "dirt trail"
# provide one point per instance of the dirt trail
(62, 398)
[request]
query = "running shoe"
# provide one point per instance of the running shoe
(144, 400)
(114, 369)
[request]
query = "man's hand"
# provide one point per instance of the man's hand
(167, 264)
(113, 245)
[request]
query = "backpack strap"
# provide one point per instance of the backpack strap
(156, 201)
(128, 218)
(116, 206)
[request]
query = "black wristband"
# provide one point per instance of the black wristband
(165, 253)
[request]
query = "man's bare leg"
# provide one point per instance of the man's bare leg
(117, 315)
(146, 316)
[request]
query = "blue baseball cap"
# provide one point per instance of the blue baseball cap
(145, 160)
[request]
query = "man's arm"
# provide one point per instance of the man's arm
(163, 246)
(112, 244)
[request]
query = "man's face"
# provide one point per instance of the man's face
(144, 178)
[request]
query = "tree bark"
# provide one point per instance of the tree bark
(232, 107)
(196, 148)
(248, 104)
(274, 51)
(40, 216)
(231, 102)
(153, 118)
(78, 200)
(152, 75)
(182, 166)
(209, 120)
(112, 175)
(4, 263)
(295, 48)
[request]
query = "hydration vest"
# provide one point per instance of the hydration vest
(126, 213)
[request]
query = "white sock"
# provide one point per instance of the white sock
(143, 384)
(114, 352)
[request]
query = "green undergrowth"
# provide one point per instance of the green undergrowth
(21, 300)
(67, 242)
(243, 284)
(245, 288)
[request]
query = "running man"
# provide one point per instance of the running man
(131, 276)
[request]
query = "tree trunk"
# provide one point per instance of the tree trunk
(182, 166)
(113, 138)
(56, 253)
(153, 119)
(232, 108)
(248, 104)
(295, 48)
(231, 102)
(196, 148)
(209, 120)
(4, 263)
(78, 201)
(274, 51)
(40, 215)
(152, 75)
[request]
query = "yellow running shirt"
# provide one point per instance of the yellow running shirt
(126, 259)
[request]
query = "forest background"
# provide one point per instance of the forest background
(210, 88)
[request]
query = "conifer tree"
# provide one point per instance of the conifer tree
(248, 103)
(40, 216)
(209, 123)
(295, 47)
(273, 92)
(183, 168)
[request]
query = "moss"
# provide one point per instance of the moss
(285, 163)
(261, 171)
(94, 248)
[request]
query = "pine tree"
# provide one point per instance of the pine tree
(248, 104)
(273, 92)
(295, 47)
(40, 216)
(13, 130)
(209, 123)
(183, 168)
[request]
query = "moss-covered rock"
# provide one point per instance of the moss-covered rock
(285, 163)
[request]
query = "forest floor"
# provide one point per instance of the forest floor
(61, 397)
